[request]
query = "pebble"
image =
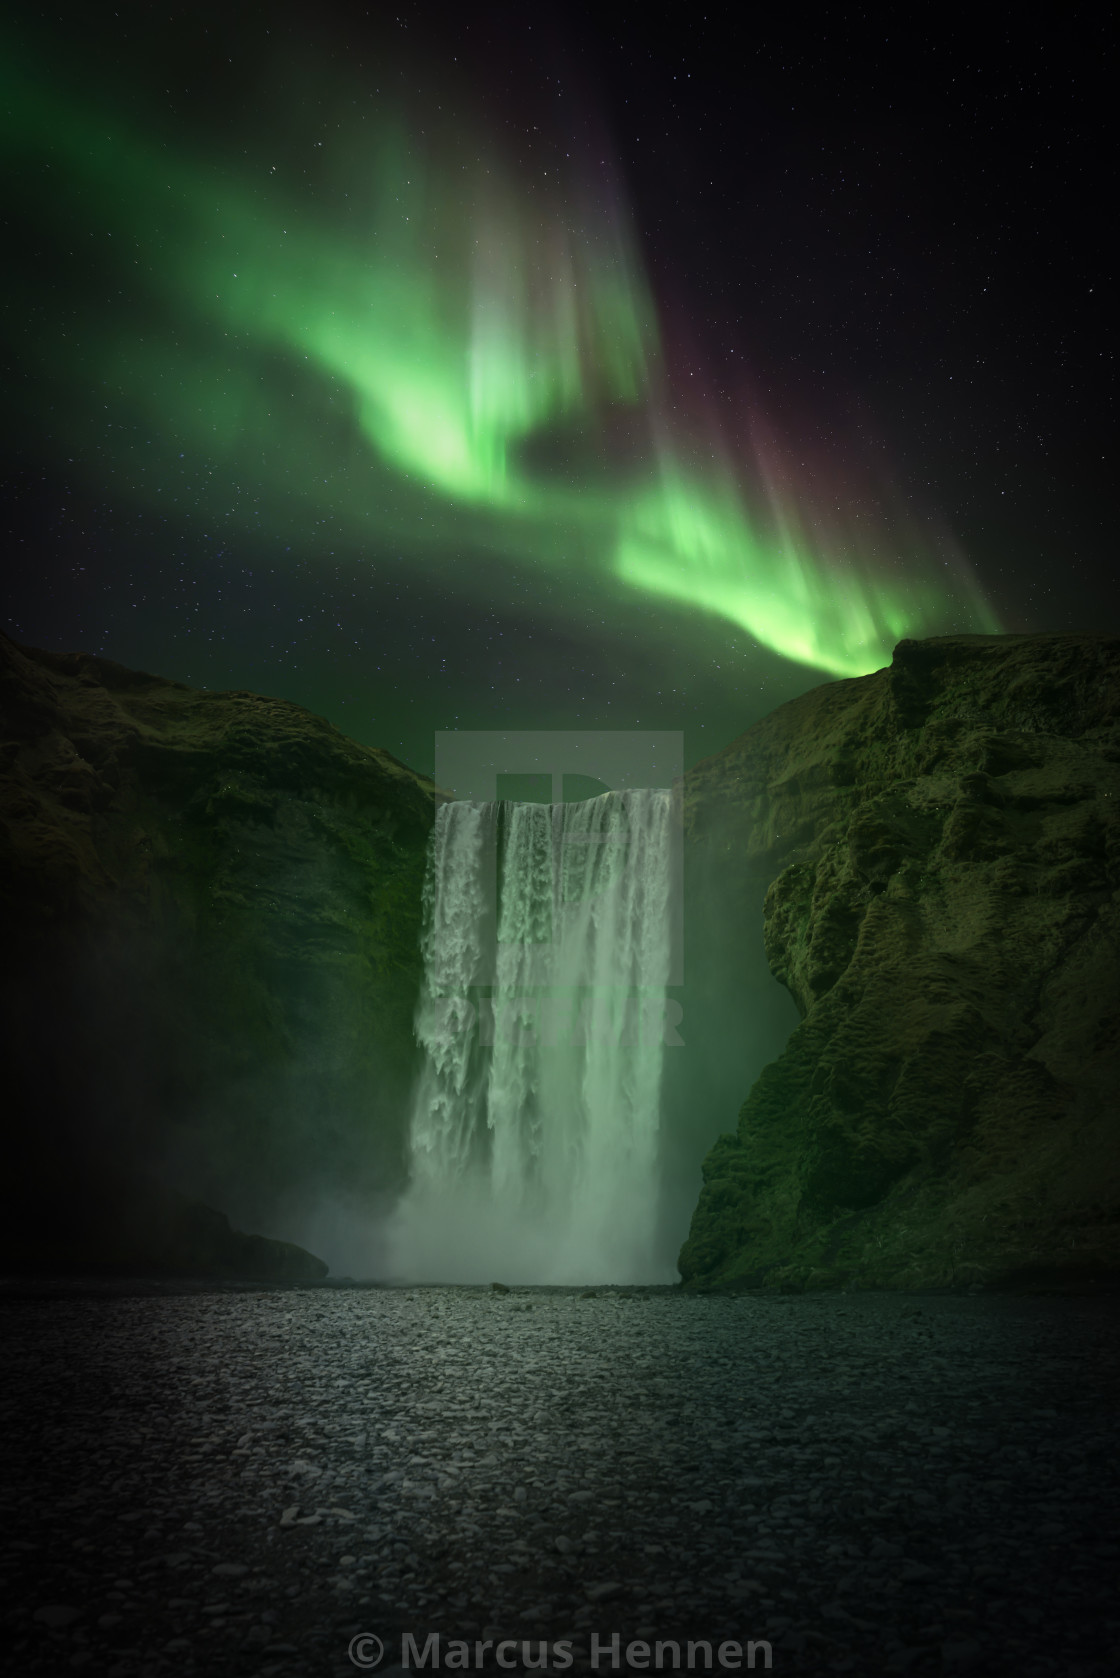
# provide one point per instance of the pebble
(869, 1485)
(56, 1616)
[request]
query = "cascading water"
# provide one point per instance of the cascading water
(534, 1140)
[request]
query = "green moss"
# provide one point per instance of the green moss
(945, 914)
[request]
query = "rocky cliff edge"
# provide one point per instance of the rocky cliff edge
(943, 841)
(211, 905)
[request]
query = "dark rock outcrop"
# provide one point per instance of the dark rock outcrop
(211, 909)
(942, 840)
(140, 1227)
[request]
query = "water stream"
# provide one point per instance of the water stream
(542, 1021)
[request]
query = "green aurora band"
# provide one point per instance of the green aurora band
(439, 350)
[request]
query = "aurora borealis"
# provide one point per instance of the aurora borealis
(361, 328)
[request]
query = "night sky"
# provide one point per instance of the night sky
(607, 367)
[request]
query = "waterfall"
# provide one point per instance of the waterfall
(534, 1130)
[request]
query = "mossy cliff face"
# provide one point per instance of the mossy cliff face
(212, 906)
(943, 844)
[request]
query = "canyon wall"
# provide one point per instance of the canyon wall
(942, 845)
(211, 907)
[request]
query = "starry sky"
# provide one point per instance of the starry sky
(611, 367)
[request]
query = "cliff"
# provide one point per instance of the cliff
(942, 845)
(211, 905)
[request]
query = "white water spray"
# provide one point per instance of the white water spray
(542, 1020)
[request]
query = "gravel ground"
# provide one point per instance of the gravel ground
(241, 1482)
